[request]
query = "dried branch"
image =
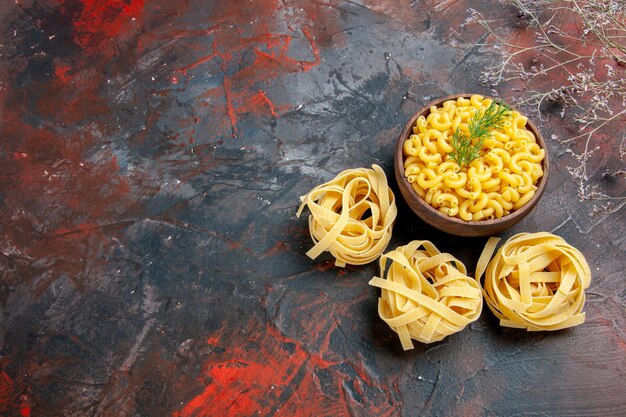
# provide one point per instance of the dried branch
(574, 61)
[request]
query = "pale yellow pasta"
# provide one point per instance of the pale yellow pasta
(494, 161)
(463, 113)
(443, 144)
(506, 205)
(519, 180)
(476, 101)
(448, 166)
(456, 124)
(429, 135)
(507, 179)
(497, 208)
(426, 295)
(510, 194)
(513, 128)
(491, 143)
(478, 170)
(536, 153)
(490, 184)
(427, 178)
(480, 203)
(440, 121)
(506, 157)
(431, 194)
(515, 160)
(463, 102)
(523, 199)
(483, 214)
(351, 216)
(450, 211)
(448, 106)
(491, 189)
(412, 170)
(447, 198)
(410, 146)
(418, 190)
(536, 281)
(463, 193)
(519, 121)
(455, 180)
(475, 186)
(463, 210)
(502, 179)
(503, 138)
(414, 161)
(420, 125)
(527, 183)
(527, 167)
(427, 157)
(536, 174)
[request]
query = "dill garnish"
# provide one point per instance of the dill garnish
(480, 126)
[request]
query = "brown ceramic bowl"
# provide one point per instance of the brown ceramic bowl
(454, 225)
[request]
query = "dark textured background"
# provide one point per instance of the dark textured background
(151, 263)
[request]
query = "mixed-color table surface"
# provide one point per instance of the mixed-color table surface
(151, 263)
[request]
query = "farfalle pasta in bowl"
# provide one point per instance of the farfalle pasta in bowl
(470, 165)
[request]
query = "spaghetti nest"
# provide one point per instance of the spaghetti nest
(351, 216)
(427, 294)
(537, 281)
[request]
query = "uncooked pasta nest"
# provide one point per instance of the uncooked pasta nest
(426, 295)
(537, 281)
(351, 216)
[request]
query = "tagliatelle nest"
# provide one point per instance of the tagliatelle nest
(537, 281)
(351, 216)
(426, 295)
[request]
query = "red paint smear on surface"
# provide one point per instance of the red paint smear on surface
(7, 392)
(306, 66)
(59, 203)
(230, 110)
(248, 102)
(81, 98)
(250, 380)
(11, 402)
(61, 72)
(270, 104)
(64, 192)
(198, 62)
(278, 248)
(263, 372)
(102, 19)
(25, 408)
(79, 229)
(234, 33)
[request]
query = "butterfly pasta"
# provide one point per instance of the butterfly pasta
(426, 295)
(351, 216)
(536, 281)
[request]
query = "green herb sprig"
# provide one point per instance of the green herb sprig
(480, 126)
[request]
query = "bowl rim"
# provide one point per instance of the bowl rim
(512, 217)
